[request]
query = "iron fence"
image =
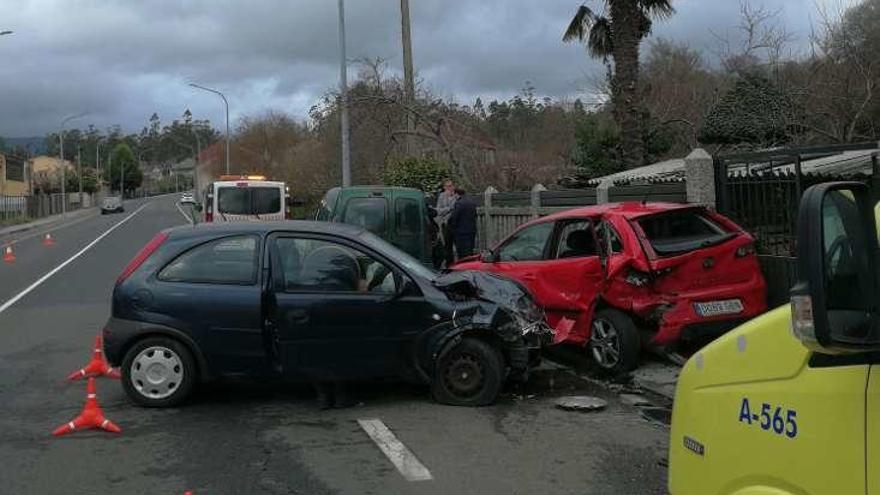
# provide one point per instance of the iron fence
(761, 191)
(18, 209)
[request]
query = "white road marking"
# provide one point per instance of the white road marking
(187, 217)
(14, 299)
(402, 458)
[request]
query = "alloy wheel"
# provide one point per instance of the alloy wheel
(605, 343)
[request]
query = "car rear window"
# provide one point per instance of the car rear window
(682, 231)
(368, 213)
(249, 200)
(230, 260)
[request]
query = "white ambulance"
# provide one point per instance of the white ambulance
(246, 198)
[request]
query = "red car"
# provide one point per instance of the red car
(616, 277)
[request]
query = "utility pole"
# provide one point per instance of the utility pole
(408, 77)
(61, 155)
(343, 93)
(79, 173)
(110, 172)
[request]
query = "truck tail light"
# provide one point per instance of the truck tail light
(745, 250)
(142, 256)
(802, 317)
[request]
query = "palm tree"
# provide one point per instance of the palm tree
(617, 32)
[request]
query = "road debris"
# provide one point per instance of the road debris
(583, 403)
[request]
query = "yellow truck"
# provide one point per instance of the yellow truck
(789, 403)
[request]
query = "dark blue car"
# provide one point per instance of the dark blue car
(312, 301)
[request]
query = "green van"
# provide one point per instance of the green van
(400, 215)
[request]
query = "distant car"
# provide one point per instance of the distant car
(614, 277)
(112, 204)
(317, 301)
(187, 197)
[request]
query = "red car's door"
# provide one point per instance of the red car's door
(569, 282)
(522, 254)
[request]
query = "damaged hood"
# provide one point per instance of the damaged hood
(486, 299)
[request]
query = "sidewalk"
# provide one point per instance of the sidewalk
(60, 219)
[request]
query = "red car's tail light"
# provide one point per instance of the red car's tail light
(745, 250)
(142, 256)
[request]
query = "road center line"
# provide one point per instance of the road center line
(187, 217)
(14, 299)
(402, 458)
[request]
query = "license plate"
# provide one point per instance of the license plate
(716, 308)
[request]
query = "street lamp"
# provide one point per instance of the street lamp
(61, 154)
(225, 101)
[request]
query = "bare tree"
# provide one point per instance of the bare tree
(760, 39)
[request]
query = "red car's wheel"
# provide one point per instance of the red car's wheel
(614, 345)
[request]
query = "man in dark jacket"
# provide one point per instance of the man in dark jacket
(463, 223)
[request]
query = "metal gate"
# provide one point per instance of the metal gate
(761, 191)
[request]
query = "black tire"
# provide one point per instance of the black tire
(470, 374)
(617, 352)
(139, 389)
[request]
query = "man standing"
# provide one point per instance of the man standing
(445, 203)
(464, 223)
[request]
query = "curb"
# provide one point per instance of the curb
(15, 229)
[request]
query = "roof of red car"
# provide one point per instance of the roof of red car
(628, 210)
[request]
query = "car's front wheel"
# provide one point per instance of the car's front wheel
(158, 372)
(614, 345)
(470, 374)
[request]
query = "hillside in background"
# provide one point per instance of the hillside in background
(36, 145)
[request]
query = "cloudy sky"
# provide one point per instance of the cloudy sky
(120, 60)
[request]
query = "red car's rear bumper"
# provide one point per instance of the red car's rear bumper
(682, 314)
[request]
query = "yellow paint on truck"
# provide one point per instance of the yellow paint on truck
(752, 416)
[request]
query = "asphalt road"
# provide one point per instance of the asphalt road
(247, 438)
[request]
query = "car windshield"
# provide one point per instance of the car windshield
(412, 265)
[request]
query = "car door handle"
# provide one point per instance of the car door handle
(298, 316)
(529, 276)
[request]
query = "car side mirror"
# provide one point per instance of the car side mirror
(489, 256)
(833, 303)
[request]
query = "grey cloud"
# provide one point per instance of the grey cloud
(122, 60)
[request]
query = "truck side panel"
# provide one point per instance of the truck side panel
(752, 416)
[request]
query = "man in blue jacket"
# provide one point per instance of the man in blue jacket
(463, 223)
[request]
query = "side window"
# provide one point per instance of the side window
(606, 233)
(407, 216)
(368, 213)
(528, 244)
(576, 240)
(329, 201)
(313, 265)
(230, 260)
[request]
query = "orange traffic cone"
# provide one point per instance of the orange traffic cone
(8, 256)
(91, 417)
(97, 366)
(48, 241)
